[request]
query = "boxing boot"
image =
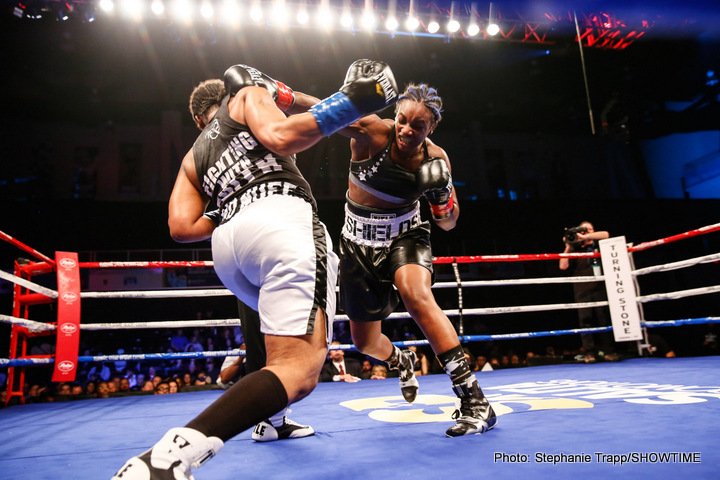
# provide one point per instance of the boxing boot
(475, 414)
(172, 458)
(404, 362)
(265, 431)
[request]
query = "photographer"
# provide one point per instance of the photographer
(584, 238)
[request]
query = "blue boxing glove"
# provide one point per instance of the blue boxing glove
(240, 76)
(433, 179)
(369, 87)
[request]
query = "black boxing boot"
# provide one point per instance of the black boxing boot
(475, 414)
(404, 362)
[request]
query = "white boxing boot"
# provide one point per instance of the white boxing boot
(172, 458)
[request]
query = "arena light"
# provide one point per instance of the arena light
(473, 29)
(132, 9)
(346, 20)
(325, 18)
(302, 17)
(256, 13)
(107, 6)
(368, 20)
(492, 28)
(412, 23)
(207, 11)
(182, 11)
(391, 23)
(453, 26)
(280, 14)
(19, 10)
(63, 11)
(230, 13)
(157, 7)
(433, 27)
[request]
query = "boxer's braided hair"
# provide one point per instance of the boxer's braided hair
(205, 95)
(425, 94)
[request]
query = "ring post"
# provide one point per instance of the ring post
(68, 317)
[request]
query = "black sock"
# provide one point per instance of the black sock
(254, 398)
(454, 363)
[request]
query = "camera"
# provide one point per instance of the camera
(570, 235)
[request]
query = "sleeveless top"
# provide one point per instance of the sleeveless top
(235, 169)
(384, 179)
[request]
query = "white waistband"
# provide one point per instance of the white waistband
(379, 229)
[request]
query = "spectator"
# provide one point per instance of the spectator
(338, 368)
(379, 372)
(179, 341)
(366, 371)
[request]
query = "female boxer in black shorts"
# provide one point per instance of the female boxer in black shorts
(385, 244)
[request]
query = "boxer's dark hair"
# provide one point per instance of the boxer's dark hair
(205, 95)
(425, 94)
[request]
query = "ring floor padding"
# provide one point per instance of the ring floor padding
(639, 418)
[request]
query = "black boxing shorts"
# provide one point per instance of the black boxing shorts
(368, 261)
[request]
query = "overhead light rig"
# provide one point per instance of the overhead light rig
(389, 17)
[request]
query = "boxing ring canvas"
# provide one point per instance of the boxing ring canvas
(639, 418)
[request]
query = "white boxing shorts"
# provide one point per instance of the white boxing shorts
(277, 257)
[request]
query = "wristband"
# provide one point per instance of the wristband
(285, 97)
(334, 113)
(444, 210)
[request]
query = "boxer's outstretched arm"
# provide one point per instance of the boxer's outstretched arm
(282, 135)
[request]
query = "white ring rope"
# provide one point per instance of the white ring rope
(521, 281)
(227, 322)
(28, 284)
(170, 293)
(31, 325)
(680, 264)
(679, 294)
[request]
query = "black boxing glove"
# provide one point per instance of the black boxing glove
(369, 87)
(433, 179)
(240, 76)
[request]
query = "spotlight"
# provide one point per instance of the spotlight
(132, 9)
(157, 7)
(325, 18)
(493, 28)
(453, 26)
(302, 16)
(280, 14)
(346, 20)
(206, 10)
(182, 11)
(412, 23)
(230, 13)
(473, 29)
(433, 26)
(368, 20)
(256, 13)
(391, 24)
(63, 12)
